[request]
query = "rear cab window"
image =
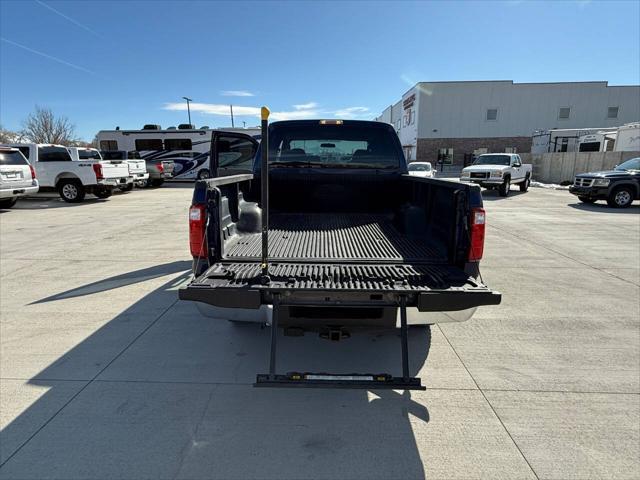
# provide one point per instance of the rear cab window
(53, 154)
(336, 145)
(89, 154)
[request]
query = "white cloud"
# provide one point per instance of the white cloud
(351, 112)
(305, 106)
(237, 93)
(300, 111)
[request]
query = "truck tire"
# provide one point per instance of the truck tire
(586, 199)
(8, 202)
(71, 191)
(103, 192)
(157, 183)
(621, 197)
(127, 188)
(503, 190)
(203, 174)
(524, 186)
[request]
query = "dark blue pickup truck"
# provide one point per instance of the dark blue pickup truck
(347, 241)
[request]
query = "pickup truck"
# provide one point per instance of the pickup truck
(72, 180)
(619, 187)
(81, 154)
(333, 247)
(138, 174)
(498, 171)
(17, 177)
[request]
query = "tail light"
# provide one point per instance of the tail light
(97, 168)
(477, 234)
(33, 172)
(197, 231)
(160, 168)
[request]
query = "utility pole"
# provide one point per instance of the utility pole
(231, 107)
(188, 109)
(244, 124)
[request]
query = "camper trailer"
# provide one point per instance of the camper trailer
(562, 139)
(597, 142)
(188, 147)
(628, 138)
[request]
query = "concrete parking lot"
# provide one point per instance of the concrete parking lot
(105, 374)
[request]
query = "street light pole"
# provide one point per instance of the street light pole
(188, 109)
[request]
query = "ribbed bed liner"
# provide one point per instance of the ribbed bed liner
(335, 237)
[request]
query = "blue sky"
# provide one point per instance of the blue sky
(103, 64)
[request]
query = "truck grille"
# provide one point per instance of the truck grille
(583, 182)
(479, 175)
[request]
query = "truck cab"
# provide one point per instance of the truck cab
(330, 235)
(56, 171)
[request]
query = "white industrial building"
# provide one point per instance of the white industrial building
(452, 121)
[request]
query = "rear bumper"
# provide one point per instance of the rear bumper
(19, 191)
(598, 193)
(113, 182)
(263, 315)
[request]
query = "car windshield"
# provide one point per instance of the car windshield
(12, 158)
(334, 146)
(493, 160)
(89, 154)
(633, 164)
(419, 167)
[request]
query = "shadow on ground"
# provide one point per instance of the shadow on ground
(175, 401)
(604, 208)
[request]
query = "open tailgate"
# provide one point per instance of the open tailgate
(427, 287)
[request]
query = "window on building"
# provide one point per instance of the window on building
(510, 150)
(612, 112)
(564, 113)
(492, 114)
(397, 125)
(445, 156)
(148, 144)
(108, 145)
(564, 145)
(177, 144)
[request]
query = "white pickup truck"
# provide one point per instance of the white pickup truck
(73, 180)
(138, 173)
(499, 171)
(137, 169)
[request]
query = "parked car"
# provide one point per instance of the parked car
(352, 245)
(421, 169)
(17, 177)
(83, 154)
(72, 180)
(138, 174)
(499, 171)
(619, 187)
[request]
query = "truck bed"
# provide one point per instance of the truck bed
(322, 237)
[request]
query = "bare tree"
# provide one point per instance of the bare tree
(8, 136)
(42, 126)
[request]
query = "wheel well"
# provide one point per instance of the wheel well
(632, 186)
(66, 176)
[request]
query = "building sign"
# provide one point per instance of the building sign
(409, 101)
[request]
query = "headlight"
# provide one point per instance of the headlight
(464, 174)
(601, 182)
(496, 174)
